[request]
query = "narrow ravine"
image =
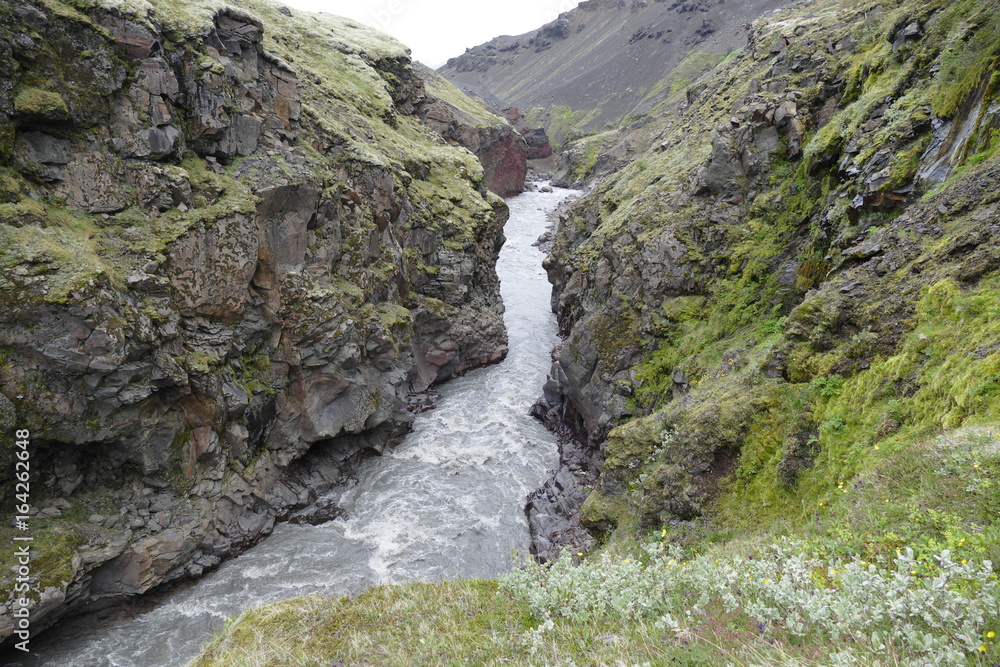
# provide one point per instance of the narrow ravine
(446, 503)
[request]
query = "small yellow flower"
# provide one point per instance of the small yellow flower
(626, 560)
(982, 649)
(991, 634)
(913, 571)
(767, 581)
(975, 465)
(832, 571)
(876, 446)
(580, 554)
(664, 533)
(965, 561)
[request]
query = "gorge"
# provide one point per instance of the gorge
(777, 375)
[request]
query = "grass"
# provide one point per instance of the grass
(846, 591)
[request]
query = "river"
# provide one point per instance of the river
(446, 503)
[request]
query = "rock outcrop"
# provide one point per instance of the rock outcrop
(231, 248)
(501, 149)
(773, 275)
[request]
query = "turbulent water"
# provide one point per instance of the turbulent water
(446, 503)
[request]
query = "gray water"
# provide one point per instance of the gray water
(446, 503)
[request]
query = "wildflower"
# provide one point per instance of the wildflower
(975, 465)
(965, 561)
(664, 533)
(991, 634)
(580, 554)
(876, 446)
(982, 649)
(913, 571)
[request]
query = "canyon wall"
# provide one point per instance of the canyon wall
(232, 249)
(793, 266)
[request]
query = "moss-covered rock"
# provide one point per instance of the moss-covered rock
(820, 198)
(217, 222)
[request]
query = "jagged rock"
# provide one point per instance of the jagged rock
(502, 151)
(725, 218)
(245, 288)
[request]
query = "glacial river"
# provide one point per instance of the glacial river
(445, 503)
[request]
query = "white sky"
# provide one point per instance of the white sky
(436, 30)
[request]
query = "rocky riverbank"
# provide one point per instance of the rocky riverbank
(777, 231)
(232, 246)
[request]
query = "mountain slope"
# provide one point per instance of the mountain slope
(603, 58)
(796, 273)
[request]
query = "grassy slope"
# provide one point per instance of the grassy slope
(899, 418)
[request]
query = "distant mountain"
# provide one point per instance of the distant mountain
(604, 58)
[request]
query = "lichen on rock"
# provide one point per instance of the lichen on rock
(783, 237)
(231, 246)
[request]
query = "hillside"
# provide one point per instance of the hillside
(602, 60)
(782, 361)
(233, 244)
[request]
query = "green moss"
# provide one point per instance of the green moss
(26, 212)
(469, 112)
(41, 104)
(53, 547)
(255, 376)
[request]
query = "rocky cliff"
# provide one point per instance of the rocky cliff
(500, 147)
(231, 249)
(792, 276)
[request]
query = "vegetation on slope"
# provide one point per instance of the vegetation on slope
(805, 469)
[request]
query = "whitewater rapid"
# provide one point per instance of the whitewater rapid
(445, 503)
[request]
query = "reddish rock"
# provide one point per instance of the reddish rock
(505, 164)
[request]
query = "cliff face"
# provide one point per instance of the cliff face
(795, 268)
(500, 148)
(231, 249)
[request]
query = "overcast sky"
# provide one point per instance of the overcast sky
(436, 30)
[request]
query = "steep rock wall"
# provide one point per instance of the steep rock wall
(501, 149)
(231, 248)
(774, 279)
